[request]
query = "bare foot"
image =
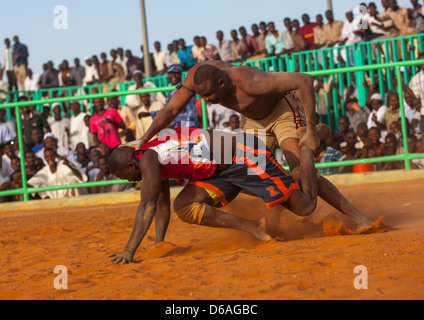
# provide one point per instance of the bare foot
(260, 232)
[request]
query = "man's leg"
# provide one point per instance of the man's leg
(326, 190)
(193, 197)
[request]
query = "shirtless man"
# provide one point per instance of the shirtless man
(279, 102)
(201, 156)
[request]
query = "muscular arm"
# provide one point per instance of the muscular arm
(262, 83)
(152, 197)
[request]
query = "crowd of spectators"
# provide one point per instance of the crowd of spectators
(69, 143)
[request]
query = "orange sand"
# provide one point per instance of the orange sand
(203, 263)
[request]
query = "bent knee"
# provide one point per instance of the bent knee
(192, 214)
(307, 208)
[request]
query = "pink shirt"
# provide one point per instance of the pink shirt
(106, 132)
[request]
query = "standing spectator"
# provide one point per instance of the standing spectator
(121, 59)
(351, 30)
(416, 14)
(127, 115)
(259, 37)
(64, 75)
(289, 45)
(247, 47)
(373, 147)
(210, 52)
(91, 73)
(161, 58)
(57, 173)
(32, 81)
(104, 124)
(235, 56)
(173, 54)
(91, 136)
(20, 61)
(106, 71)
(307, 31)
(118, 70)
(60, 126)
(133, 64)
(416, 82)
(333, 29)
(78, 131)
(331, 154)
(151, 61)
(188, 116)
(30, 120)
(299, 43)
(400, 18)
(224, 47)
(197, 50)
(186, 56)
(146, 114)
(50, 78)
(275, 42)
(355, 113)
(8, 66)
(78, 73)
(320, 37)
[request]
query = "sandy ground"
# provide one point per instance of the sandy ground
(203, 263)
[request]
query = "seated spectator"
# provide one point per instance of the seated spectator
(105, 175)
(188, 116)
(5, 135)
(393, 111)
(378, 112)
(8, 152)
(145, 114)
(348, 147)
(133, 101)
(60, 126)
(344, 127)
(10, 124)
(362, 135)
(91, 136)
(413, 147)
(57, 173)
(373, 147)
(92, 168)
(81, 155)
(49, 141)
(37, 139)
(224, 47)
(33, 164)
(396, 129)
(331, 154)
(355, 113)
(391, 148)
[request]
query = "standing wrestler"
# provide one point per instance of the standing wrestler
(279, 102)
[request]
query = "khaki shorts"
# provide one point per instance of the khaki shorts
(281, 124)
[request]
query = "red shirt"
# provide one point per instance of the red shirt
(308, 33)
(185, 154)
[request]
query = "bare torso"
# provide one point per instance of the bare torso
(250, 106)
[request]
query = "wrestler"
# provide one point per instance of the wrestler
(201, 157)
(278, 102)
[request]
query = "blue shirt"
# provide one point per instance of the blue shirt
(22, 50)
(186, 57)
(187, 117)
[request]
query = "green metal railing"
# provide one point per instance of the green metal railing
(406, 157)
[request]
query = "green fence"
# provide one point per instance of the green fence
(396, 67)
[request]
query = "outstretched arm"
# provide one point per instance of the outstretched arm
(150, 191)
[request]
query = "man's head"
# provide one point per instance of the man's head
(234, 34)
(210, 83)
(287, 23)
(75, 107)
(50, 157)
(99, 104)
(145, 99)
(220, 35)
(329, 15)
(103, 163)
(376, 101)
(157, 46)
(29, 158)
(344, 123)
(320, 19)
(50, 141)
(394, 127)
(113, 102)
(390, 143)
(305, 19)
(243, 32)
(234, 122)
(394, 101)
(7, 42)
(123, 164)
(36, 136)
(174, 74)
(16, 39)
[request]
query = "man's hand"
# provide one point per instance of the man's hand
(134, 144)
(125, 256)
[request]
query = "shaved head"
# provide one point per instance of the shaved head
(206, 72)
(120, 158)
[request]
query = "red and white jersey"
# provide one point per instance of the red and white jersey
(184, 154)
